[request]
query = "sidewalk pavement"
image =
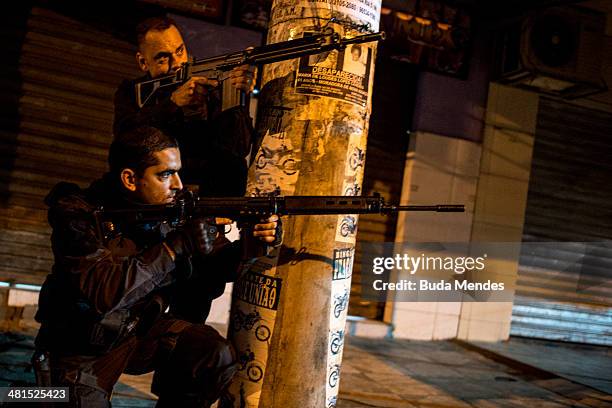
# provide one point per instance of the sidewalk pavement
(407, 374)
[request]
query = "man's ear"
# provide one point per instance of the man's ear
(142, 62)
(128, 179)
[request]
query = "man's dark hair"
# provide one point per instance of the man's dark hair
(153, 24)
(134, 149)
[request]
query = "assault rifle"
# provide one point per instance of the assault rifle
(218, 67)
(250, 210)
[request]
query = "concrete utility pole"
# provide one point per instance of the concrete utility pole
(289, 309)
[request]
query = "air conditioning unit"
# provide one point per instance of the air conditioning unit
(555, 51)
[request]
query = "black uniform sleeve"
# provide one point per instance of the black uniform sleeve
(234, 131)
(128, 115)
(192, 297)
(226, 256)
(105, 281)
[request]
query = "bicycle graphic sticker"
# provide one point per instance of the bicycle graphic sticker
(343, 263)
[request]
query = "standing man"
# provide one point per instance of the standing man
(212, 142)
(104, 308)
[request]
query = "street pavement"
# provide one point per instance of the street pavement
(408, 374)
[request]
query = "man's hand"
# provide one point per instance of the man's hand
(243, 77)
(197, 236)
(266, 231)
(192, 92)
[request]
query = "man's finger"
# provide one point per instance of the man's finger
(204, 81)
(272, 218)
(265, 233)
(223, 221)
(199, 91)
(268, 226)
(249, 70)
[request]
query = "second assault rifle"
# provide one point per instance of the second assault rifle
(250, 210)
(218, 67)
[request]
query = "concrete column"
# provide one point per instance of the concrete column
(289, 309)
(493, 185)
(501, 199)
(439, 169)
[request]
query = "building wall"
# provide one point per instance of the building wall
(439, 169)
(442, 166)
(56, 126)
(492, 180)
(471, 145)
(501, 121)
(453, 107)
(501, 199)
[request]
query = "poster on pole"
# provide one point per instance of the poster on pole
(343, 75)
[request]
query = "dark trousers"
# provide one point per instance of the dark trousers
(193, 364)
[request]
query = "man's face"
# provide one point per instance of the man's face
(162, 52)
(160, 183)
(355, 54)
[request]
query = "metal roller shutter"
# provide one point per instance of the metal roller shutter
(56, 124)
(564, 290)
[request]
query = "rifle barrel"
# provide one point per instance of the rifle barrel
(436, 208)
(364, 38)
(306, 46)
(265, 206)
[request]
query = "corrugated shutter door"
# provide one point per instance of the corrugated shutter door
(569, 201)
(65, 79)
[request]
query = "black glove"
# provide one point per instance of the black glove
(195, 237)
